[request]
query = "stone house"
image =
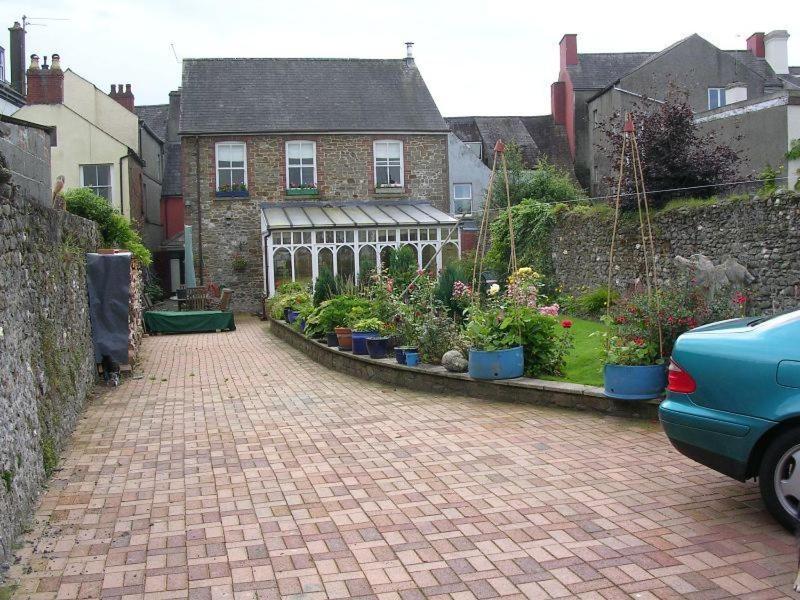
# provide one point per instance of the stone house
(592, 87)
(101, 143)
(290, 165)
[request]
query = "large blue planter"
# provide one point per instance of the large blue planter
(400, 353)
(496, 364)
(377, 346)
(292, 315)
(624, 382)
(360, 341)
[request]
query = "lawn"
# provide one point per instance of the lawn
(584, 363)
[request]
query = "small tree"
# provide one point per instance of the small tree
(545, 183)
(674, 153)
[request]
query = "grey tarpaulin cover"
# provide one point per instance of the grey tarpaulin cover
(109, 281)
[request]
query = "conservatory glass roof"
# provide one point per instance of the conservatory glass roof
(327, 214)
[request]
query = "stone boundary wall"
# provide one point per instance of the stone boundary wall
(761, 233)
(46, 360)
(436, 379)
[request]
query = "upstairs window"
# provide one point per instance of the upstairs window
(301, 165)
(388, 163)
(462, 198)
(98, 179)
(716, 98)
(476, 147)
(231, 166)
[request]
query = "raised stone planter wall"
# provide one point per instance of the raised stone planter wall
(430, 378)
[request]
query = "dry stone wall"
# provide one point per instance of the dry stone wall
(46, 359)
(763, 234)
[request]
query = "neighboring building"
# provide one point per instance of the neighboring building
(592, 87)
(102, 144)
(12, 95)
(292, 164)
(164, 120)
(469, 182)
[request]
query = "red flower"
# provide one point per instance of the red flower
(638, 341)
(740, 298)
(566, 323)
(621, 320)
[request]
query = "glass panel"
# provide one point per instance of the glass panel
(225, 178)
(404, 235)
(382, 235)
(236, 152)
(296, 237)
(371, 235)
(325, 258)
(423, 234)
(462, 191)
(432, 234)
(320, 237)
(302, 265)
(414, 251)
(89, 175)
(282, 266)
(237, 176)
(381, 176)
(346, 262)
(428, 253)
(103, 174)
(223, 153)
(349, 236)
(329, 237)
(392, 234)
(306, 237)
(105, 192)
(295, 178)
(307, 175)
(366, 261)
(293, 151)
(394, 175)
(362, 235)
(412, 235)
(340, 237)
(449, 254)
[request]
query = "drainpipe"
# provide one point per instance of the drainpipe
(121, 189)
(199, 205)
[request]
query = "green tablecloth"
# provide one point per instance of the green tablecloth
(191, 321)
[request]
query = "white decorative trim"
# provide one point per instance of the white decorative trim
(742, 110)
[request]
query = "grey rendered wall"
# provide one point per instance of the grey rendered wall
(152, 153)
(466, 167)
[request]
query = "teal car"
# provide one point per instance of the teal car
(733, 404)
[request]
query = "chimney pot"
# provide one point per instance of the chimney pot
(128, 88)
(56, 64)
(113, 90)
(45, 66)
(34, 62)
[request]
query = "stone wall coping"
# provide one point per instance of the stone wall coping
(436, 378)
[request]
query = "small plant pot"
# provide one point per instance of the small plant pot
(360, 341)
(412, 359)
(292, 315)
(344, 336)
(302, 325)
(377, 346)
(286, 312)
(400, 353)
(331, 339)
(643, 382)
(496, 364)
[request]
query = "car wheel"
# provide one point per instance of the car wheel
(779, 478)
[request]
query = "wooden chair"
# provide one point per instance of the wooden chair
(196, 298)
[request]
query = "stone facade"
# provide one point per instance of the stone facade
(230, 226)
(761, 233)
(46, 360)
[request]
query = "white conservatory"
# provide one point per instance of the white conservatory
(301, 237)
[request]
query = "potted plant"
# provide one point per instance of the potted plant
(364, 328)
(304, 189)
(633, 369)
(496, 350)
(330, 319)
(239, 262)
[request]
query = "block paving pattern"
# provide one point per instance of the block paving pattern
(237, 468)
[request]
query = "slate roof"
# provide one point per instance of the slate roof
(274, 95)
(597, 70)
(171, 180)
(155, 115)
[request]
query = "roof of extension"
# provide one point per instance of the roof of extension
(276, 95)
(155, 115)
(321, 215)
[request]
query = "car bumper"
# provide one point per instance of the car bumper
(717, 439)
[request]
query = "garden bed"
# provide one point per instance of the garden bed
(436, 379)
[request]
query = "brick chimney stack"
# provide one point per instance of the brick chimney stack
(755, 44)
(45, 84)
(123, 95)
(568, 49)
(17, 57)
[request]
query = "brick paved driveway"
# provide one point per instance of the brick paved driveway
(238, 468)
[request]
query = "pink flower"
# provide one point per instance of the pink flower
(740, 298)
(390, 285)
(551, 310)
(566, 323)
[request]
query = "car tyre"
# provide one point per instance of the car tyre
(781, 463)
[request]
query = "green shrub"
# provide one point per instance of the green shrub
(331, 314)
(592, 304)
(288, 295)
(116, 230)
(325, 286)
(444, 286)
(436, 334)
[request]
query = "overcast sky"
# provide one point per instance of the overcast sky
(477, 57)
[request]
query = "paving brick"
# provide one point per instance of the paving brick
(238, 468)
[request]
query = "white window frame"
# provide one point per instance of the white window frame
(478, 145)
(314, 157)
(457, 198)
(720, 97)
(110, 185)
(217, 146)
(375, 163)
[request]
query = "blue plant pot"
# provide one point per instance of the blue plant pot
(496, 364)
(286, 312)
(331, 339)
(412, 358)
(400, 353)
(377, 346)
(302, 325)
(292, 315)
(624, 382)
(360, 341)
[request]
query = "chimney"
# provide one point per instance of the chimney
(17, 50)
(45, 84)
(409, 54)
(569, 50)
(174, 115)
(776, 51)
(735, 92)
(558, 99)
(755, 44)
(123, 95)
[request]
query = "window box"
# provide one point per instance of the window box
(311, 191)
(390, 190)
(232, 194)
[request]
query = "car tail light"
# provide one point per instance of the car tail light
(679, 381)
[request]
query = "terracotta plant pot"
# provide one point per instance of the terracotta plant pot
(345, 337)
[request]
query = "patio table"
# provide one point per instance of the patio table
(188, 321)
